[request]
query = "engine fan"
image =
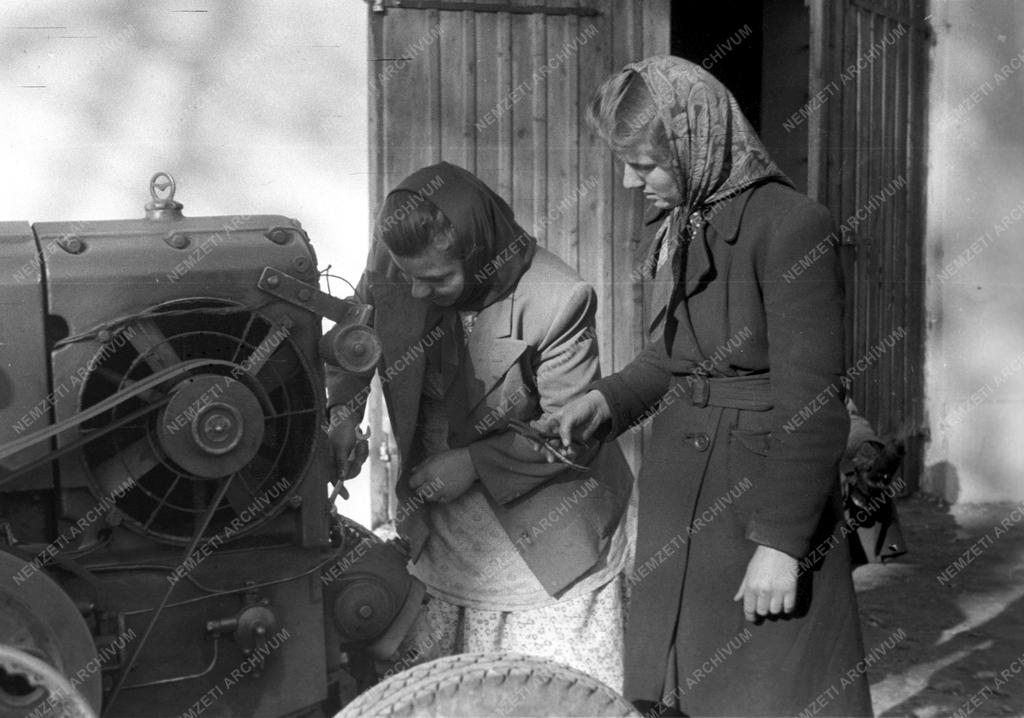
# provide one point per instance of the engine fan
(249, 412)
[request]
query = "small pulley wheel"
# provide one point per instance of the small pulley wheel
(356, 349)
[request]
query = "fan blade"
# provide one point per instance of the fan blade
(279, 371)
(239, 495)
(123, 382)
(274, 340)
(152, 345)
(126, 467)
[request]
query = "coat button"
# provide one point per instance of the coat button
(701, 442)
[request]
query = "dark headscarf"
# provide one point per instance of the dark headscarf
(496, 250)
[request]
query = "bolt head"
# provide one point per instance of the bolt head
(217, 426)
(178, 241)
(278, 236)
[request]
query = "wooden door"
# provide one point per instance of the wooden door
(866, 122)
(498, 88)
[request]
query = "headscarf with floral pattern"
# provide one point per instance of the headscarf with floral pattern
(715, 152)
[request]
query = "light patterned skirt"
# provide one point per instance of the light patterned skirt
(584, 632)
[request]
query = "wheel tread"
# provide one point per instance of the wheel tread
(443, 685)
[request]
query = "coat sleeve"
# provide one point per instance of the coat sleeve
(637, 388)
(810, 423)
(567, 362)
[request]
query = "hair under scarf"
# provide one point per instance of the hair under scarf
(715, 152)
(496, 251)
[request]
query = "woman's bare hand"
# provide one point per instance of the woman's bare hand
(576, 421)
(769, 586)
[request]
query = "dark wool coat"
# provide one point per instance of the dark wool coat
(747, 457)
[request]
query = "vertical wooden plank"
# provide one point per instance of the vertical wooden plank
(818, 123)
(902, 237)
(892, 264)
(457, 50)
(878, 369)
(562, 138)
(841, 113)
(505, 143)
(493, 119)
(375, 123)
(596, 260)
(408, 87)
(917, 94)
(656, 27)
(863, 90)
(869, 159)
(875, 23)
(380, 480)
(524, 31)
(433, 53)
(539, 128)
(628, 321)
(853, 121)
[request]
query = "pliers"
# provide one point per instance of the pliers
(528, 432)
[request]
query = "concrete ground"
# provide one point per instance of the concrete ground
(944, 624)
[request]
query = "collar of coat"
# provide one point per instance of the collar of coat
(721, 224)
(724, 217)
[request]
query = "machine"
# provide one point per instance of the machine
(166, 542)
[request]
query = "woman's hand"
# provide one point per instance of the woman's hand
(769, 586)
(444, 477)
(349, 448)
(577, 420)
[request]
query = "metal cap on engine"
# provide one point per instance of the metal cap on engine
(163, 207)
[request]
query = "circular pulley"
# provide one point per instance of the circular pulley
(354, 348)
(212, 427)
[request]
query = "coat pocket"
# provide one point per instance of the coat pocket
(748, 453)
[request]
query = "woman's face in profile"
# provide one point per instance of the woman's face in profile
(659, 186)
(434, 276)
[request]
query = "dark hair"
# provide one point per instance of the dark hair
(409, 224)
(623, 112)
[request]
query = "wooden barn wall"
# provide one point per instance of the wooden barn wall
(502, 94)
(868, 74)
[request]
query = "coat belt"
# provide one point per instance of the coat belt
(751, 392)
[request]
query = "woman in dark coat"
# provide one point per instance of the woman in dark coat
(742, 599)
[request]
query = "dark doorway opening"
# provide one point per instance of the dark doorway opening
(760, 51)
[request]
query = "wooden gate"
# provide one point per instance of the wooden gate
(498, 88)
(866, 122)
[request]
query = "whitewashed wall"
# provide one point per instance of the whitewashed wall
(975, 252)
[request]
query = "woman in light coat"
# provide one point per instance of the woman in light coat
(479, 325)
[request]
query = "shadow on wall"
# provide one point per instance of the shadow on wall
(942, 480)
